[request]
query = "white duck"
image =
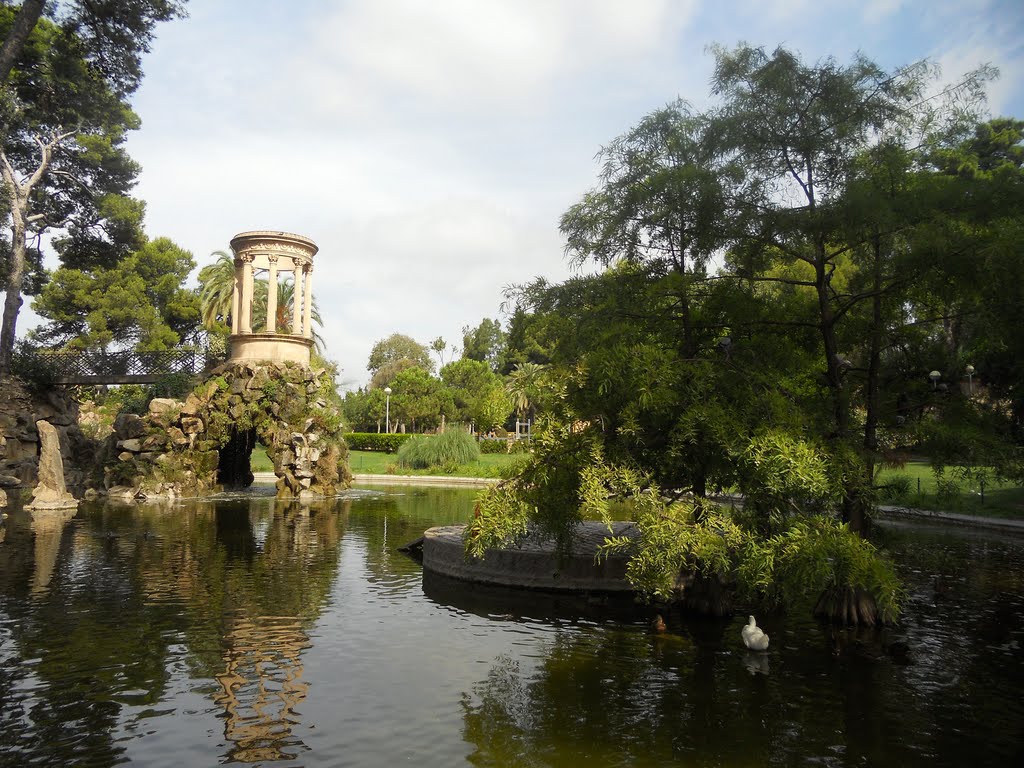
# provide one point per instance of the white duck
(753, 637)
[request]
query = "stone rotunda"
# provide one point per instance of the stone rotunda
(266, 393)
(269, 253)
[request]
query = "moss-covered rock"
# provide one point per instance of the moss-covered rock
(196, 446)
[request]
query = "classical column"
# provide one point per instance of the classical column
(236, 300)
(247, 280)
(307, 301)
(297, 299)
(272, 295)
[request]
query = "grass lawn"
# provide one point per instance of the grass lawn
(376, 463)
(1001, 500)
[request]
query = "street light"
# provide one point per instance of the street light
(387, 408)
(934, 376)
(970, 380)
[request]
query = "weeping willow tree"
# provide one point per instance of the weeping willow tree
(785, 546)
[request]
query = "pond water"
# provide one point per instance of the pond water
(246, 630)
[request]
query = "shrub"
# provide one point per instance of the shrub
(375, 441)
(897, 487)
(175, 385)
(33, 367)
(947, 490)
(130, 398)
(447, 449)
(492, 445)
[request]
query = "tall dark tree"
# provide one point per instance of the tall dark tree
(64, 116)
(114, 32)
(810, 189)
(485, 342)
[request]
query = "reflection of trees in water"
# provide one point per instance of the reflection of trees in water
(399, 516)
(629, 698)
(694, 697)
(72, 606)
(608, 697)
(100, 605)
(965, 627)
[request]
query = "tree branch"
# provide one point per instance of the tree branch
(24, 23)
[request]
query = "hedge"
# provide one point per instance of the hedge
(375, 441)
(490, 445)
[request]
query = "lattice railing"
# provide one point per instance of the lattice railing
(91, 367)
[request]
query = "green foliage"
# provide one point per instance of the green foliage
(485, 343)
(896, 488)
(32, 367)
(489, 446)
(947, 490)
(173, 385)
(419, 399)
(397, 353)
(866, 243)
(375, 441)
(544, 496)
(216, 288)
(780, 474)
(805, 557)
(478, 393)
(139, 303)
(130, 398)
(327, 420)
(448, 449)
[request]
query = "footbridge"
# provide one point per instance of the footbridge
(125, 367)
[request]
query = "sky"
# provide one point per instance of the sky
(429, 147)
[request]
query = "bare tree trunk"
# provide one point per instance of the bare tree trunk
(827, 328)
(19, 193)
(24, 23)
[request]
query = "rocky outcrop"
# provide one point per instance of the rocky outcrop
(20, 413)
(50, 491)
(203, 443)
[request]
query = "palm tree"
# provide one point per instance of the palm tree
(216, 288)
(524, 385)
(283, 316)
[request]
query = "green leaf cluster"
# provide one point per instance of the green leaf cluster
(139, 303)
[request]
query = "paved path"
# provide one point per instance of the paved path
(1001, 523)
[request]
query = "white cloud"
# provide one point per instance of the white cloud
(475, 58)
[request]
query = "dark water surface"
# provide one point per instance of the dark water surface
(249, 631)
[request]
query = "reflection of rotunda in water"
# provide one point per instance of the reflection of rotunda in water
(262, 687)
(261, 684)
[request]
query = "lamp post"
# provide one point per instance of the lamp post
(970, 380)
(387, 408)
(934, 376)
